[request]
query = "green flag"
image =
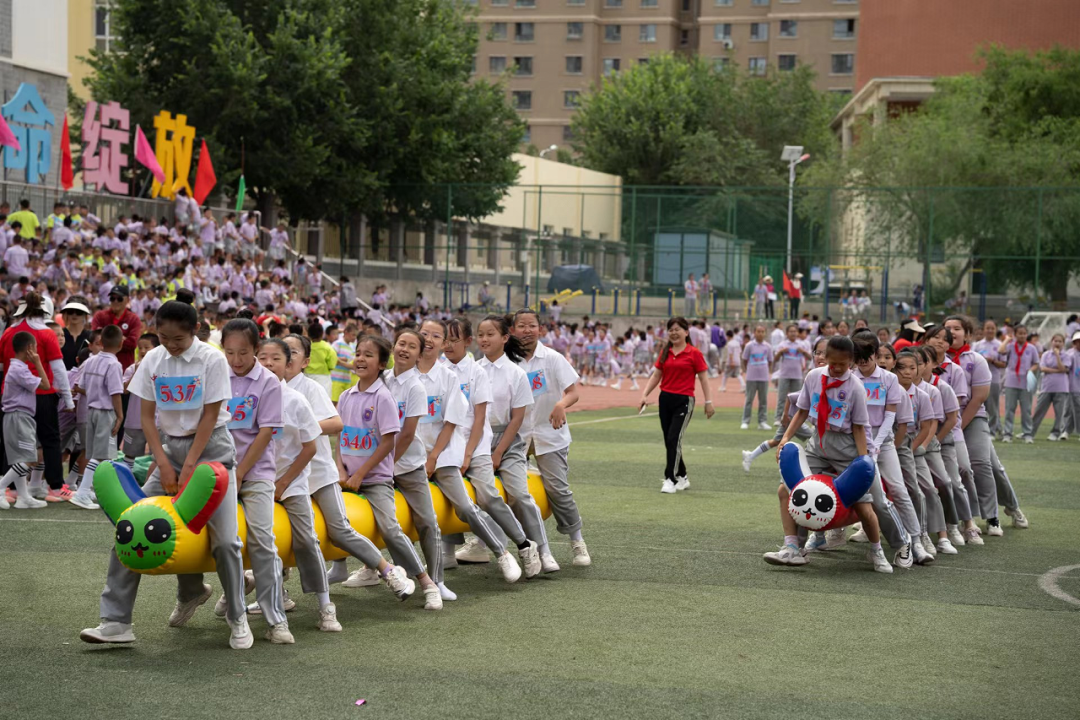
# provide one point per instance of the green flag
(240, 192)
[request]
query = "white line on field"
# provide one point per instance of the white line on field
(54, 520)
(613, 419)
(1048, 583)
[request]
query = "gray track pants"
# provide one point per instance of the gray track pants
(482, 474)
(935, 514)
(381, 497)
(962, 504)
(122, 585)
(761, 389)
(1061, 402)
(911, 482)
(257, 497)
(892, 476)
(1012, 397)
(554, 469)
(305, 543)
(993, 408)
(514, 474)
(452, 485)
(986, 469)
(338, 530)
(784, 387)
(1074, 414)
(417, 492)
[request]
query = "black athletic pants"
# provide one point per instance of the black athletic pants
(675, 412)
(48, 428)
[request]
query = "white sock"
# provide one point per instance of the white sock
(73, 477)
(87, 481)
(446, 593)
(36, 478)
(323, 598)
(576, 536)
(448, 546)
(762, 448)
(130, 462)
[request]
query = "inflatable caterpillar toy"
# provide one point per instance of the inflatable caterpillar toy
(163, 535)
(822, 502)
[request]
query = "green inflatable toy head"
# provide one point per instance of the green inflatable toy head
(148, 528)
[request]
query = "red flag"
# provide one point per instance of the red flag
(67, 175)
(145, 155)
(788, 288)
(205, 179)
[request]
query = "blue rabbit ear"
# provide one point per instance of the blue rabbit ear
(793, 467)
(855, 482)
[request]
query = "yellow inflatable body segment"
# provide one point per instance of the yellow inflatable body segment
(192, 551)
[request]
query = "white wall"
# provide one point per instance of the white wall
(39, 38)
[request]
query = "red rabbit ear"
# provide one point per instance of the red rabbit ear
(855, 482)
(201, 496)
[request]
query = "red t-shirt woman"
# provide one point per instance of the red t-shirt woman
(679, 363)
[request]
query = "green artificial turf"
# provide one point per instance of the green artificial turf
(677, 618)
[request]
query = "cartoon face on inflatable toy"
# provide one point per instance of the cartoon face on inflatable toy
(149, 529)
(822, 502)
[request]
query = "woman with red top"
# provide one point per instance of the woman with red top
(910, 334)
(679, 363)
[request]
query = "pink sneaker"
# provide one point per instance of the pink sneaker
(62, 495)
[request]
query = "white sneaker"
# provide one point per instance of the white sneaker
(30, 503)
(221, 607)
(764, 426)
(744, 426)
(364, 577)
(511, 571)
(946, 548)
(581, 553)
(1063, 437)
(449, 562)
(1053, 438)
(432, 598)
(815, 541)
(668, 488)
(240, 637)
(400, 583)
(682, 483)
(635, 386)
(1020, 521)
(995, 531)
(972, 537)
(955, 536)
(548, 564)
(184, 610)
(1029, 441)
(473, 552)
(921, 556)
(108, 632)
(928, 544)
(787, 555)
(617, 385)
(328, 621)
(859, 536)
(747, 458)
(902, 558)
(530, 560)
(446, 593)
(881, 564)
(4, 504)
(835, 538)
(83, 501)
(288, 605)
(280, 634)
(38, 492)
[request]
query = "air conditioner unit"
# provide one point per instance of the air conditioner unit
(729, 44)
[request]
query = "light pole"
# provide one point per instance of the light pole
(545, 151)
(793, 155)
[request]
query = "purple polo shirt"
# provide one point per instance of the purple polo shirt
(921, 409)
(977, 372)
(758, 357)
(989, 350)
(20, 388)
(1055, 382)
(847, 400)
(882, 388)
(367, 416)
(935, 400)
(791, 359)
(101, 378)
(1027, 356)
(255, 404)
(1074, 375)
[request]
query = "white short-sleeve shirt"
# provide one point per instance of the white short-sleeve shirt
(445, 404)
(549, 375)
(300, 427)
(475, 387)
(411, 401)
(509, 389)
(323, 468)
(181, 385)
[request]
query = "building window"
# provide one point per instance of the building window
(575, 2)
(759, 31)
(789, 28)
(757, 65)
(843, 29)
(523, 66)
(103, 37)
(613, 33)
(611, 65)
(650, 3)
(843, 64)
(574, 30)
(647, 33)
(720, 63)
(759, 2)
(498, 31)
(525, 3)
(684, 37)
(721, 32)
(567, 135)
(840, 91)
(613, 3)
(785, 62)
(575, 64)
(686, 5)
(497, 64)
(643, 61)
(523, 32)
(500, 3)
(724, 3)
(521, 99)
(571, 98)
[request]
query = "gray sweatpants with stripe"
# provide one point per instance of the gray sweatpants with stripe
(305, 544)
(943, 480)
(257, 497)
(554, 470)
(892, 476)
(338, 530)
(514, 474)
(122, 585)
(967, 478)
(381, 497)
(1073, 425)
(453, 489)
(417, 493)
(986, 469)
(1060, 402)
(761, 389)
(911, 482)
(784, 387)
(935, 513)
(482, 474)
(961, 504)
(1012, 397)
(993, 408)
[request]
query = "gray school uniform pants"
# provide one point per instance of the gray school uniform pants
(338, 530)
(961, 502)
(689, 307)
(987, 471)
(305, 544)
(1074, 414)
(1005, 493)
(554, 470)
(892, 476)
(993, 408)
(1060, 401)
(122, 585)
(381, 497)
(761, 389)
(1012, 396)
(453, 489)
(946, 477)
(482, 474)
(784, 386)
(911, 482)
(417, 492)
(967, 478)
(257, 497)
(935, 513)
(514, 474)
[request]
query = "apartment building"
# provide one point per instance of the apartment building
(554, 50)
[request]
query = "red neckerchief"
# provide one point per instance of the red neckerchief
(823, 404)
(1019, 355)
(955, 354)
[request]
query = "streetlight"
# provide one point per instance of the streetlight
(545, 151)
(793, 155)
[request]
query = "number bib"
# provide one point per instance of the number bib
(838, 410)
(465, 391)
(181, 392)
(538, 382)
(242, 412)
(401, 410)
(357, 441)
(757, 358)
(434, 410)
(875, 392)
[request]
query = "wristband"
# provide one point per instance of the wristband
(708, 402)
